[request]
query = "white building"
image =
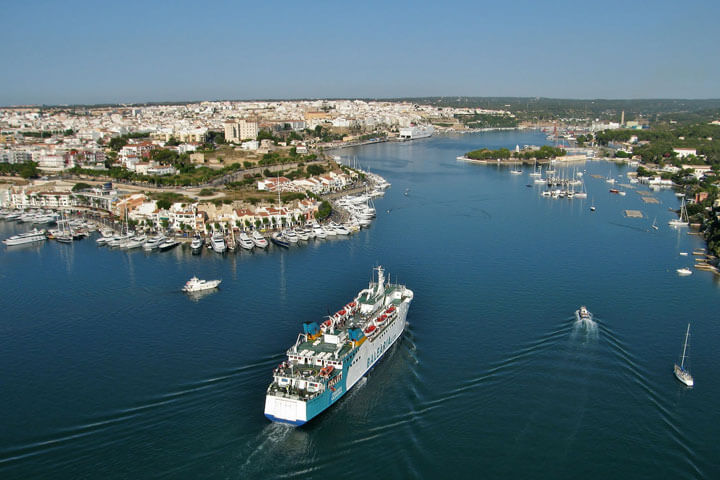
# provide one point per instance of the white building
(240, 130)
(684, 152)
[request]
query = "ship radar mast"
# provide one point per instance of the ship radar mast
(381, 280)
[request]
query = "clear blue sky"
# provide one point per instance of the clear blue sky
(126, 51)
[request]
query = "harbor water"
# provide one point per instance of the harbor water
(107, 370)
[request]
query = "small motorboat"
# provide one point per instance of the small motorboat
(197, 285)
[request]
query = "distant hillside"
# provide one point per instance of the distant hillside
(540, 109)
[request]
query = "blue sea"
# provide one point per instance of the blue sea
(108, 371)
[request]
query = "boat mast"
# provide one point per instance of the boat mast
(682, 361)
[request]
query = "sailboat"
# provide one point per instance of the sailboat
(681, 372)
(535, 172)
(683, 220)
(654, 226)
(592, 207)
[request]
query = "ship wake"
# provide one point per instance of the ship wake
(584, 328)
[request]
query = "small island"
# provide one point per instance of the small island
(527, 155)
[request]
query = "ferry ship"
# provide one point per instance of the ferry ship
(328, 359)
(415, 132)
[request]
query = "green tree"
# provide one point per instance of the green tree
(163, 204)
(29, 170)
(80, 186)
(116, 143)
(324, 210)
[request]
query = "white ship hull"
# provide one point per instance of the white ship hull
(289, 399)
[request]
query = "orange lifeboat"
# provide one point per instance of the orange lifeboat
(370, 330)
(351, 304)
(390, 310)
(381, 319)
(327, 323)
(326, 371)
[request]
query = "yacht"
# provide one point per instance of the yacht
(154, 242)
(259, 240)
(340, 229)
(168, 244)
(135, 242)
(683, 272)
(319, 232)
(302, 234)
(245, 241)
(291, 236)
(280, 240)
(329, 231)
(32, 236)
(196, 244)
(217, 242)
(197, 285)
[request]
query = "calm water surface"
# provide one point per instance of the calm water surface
(108, 371)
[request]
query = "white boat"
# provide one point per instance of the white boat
(302, 234)
(197, 285)
(105, 236)
(118, 240)
(154, 242)
(197, 243)
(684, 254)
(135, 242)
(683, 272)
(683, 220)
(259, 240)
(168, 244)
(536, 172)
(584, 313)
(654, 226)
(319, 232)
(217, 242)
(516, 171)
(330, 232)
(32, 236)
(339, 229)
(291, 236)
(681, 373)
(244, 241)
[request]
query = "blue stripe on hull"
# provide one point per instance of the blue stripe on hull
(275, 419)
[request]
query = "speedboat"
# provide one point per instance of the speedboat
(244, 241)
(683, 272)
(259, 240)
(583, 313)
(197, 285)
